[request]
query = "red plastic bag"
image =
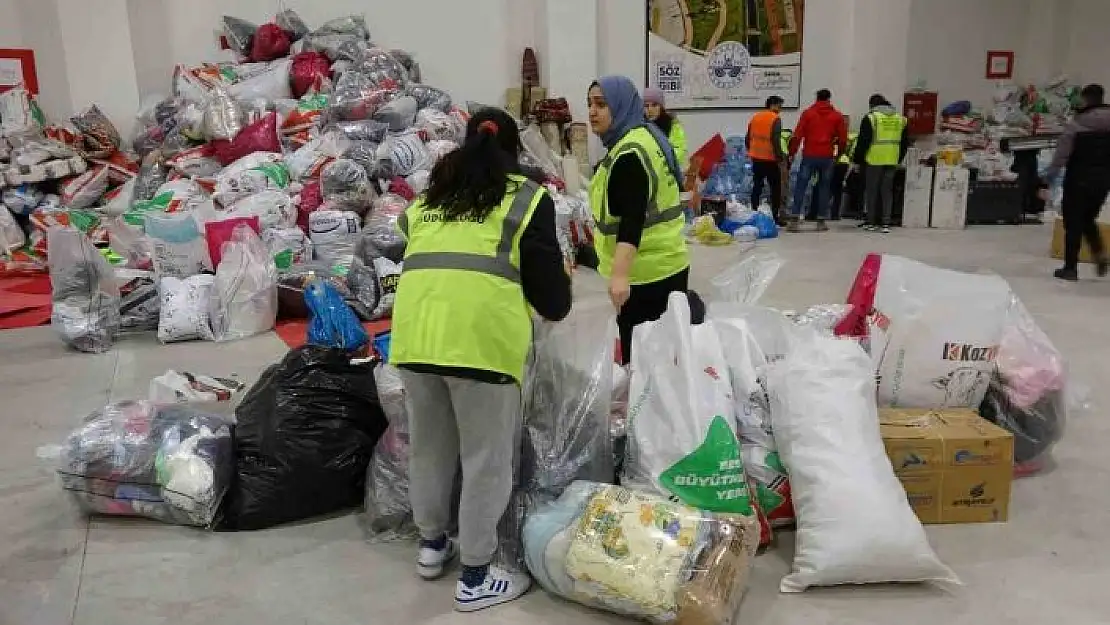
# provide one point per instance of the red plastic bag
(261, 136)
(312, 196)
(862, 298)
(216, 233)
(270, 42)
(401, 187)
(310, 70)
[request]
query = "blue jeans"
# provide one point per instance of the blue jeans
(823, 169)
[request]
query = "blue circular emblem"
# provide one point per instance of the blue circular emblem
(729, 63)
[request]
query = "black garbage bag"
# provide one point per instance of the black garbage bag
(304, 438)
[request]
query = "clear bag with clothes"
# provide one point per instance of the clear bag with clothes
(641, 555)
(134, 458)
(348, 184)
(388, 511)
(356, 97)
(382, 69)
(85, 296)
(380, 236)
(245, 295)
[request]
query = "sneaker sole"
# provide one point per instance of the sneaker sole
(489, 602)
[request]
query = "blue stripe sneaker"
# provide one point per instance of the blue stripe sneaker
(500, 586)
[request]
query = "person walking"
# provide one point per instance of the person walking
(655, 107)
(1084, 150)
(482, 249)
(822, 131)
(765, 150)
(881, 147)
(635, 195)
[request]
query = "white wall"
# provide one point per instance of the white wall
(949, 40)
(11, 31)
(1088, 41)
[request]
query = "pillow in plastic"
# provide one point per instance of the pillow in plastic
(347, 183)
(399, 113)
(406, 152)
(855, 524)
(334, 234)
(186, 308)
(430, 97)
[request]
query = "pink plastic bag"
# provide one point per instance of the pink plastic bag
(261, 136)
(216, 233)
(862, 298)
(270, 42)
(310, 70)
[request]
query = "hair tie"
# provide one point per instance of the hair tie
(489, 127)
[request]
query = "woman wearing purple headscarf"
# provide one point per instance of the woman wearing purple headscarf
(655, 107)
(636, 200)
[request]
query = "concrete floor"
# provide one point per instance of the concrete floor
(1048, 564)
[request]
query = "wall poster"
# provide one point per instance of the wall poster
(725, 54)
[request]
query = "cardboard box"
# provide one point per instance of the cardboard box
(956, 466)
(1084, 251)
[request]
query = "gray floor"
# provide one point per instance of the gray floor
(1048, 564)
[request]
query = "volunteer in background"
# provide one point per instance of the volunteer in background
(884, 139)
(655, 107)
(766, 151)
(839, 181)
(1084, 149)
(635, 197)
(481, 248)
(822, 130)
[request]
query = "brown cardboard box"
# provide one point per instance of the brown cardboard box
(1084, 251)
(956, 466)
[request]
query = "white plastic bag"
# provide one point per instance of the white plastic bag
(11, 235)
(944, 331)
(274, 209)
(186, 304)
(245, 295)
(271, 84)
(682, 415)
(334, 234)
(855, 524)
(261, 171)
(180, 250)
(389, 275)
(85, 190)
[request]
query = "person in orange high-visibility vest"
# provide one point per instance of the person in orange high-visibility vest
(765, 149)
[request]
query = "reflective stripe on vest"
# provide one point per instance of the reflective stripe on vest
(654, 215)
(886, 143)
(500, 265)
(848, 152)
(759, 136)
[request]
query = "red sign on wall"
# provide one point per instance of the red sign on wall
(17, 68)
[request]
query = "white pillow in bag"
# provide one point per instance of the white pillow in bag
(855, 524)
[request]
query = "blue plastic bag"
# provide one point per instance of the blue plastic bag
(959, 107)
(763, 222)
(332, 323)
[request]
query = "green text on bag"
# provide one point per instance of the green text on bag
(712, 478)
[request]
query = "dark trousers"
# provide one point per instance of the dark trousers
(1083, 200)
(822, 169)
(879, 193)
(767, 172)
(647, 302)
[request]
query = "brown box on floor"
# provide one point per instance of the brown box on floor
(956, 466)
(1084, 251)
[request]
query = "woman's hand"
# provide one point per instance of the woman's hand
(619, 291)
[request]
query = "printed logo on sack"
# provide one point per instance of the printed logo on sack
(712, 476)
(728, 65)
(920, 500)
(966, 352)
(976, 498)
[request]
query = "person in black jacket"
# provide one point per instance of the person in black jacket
(878, 179)
(1084, 150)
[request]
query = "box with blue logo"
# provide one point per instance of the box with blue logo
(956, 466)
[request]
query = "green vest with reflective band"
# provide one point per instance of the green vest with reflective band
(886, 142)
(784, 138)
(847, 153)
(460, 302)
(662, 252)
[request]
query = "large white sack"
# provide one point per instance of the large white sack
(855, 524)
(943, 335)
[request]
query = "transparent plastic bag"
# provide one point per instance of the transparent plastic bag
(380, 236)
(388, 511)
(11, 235)
(139, 308)
(85, 296)
(428, 97)
(291, 22)
(357, 97)
(223, 115)
(388, 276)
(347, 183)
(239, 33)
(641, 555)
(747, 281)
(407, 60)
(406, 153)
(382, 69)
(399, 113)
(1029, 390)
(440, 126)
(99, 135)
(354, 25)
(185, 308)
(855, 525)
(178, 243)
(168, 463)
(245, 292)
(362, 130)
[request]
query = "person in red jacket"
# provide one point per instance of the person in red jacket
(822, 131)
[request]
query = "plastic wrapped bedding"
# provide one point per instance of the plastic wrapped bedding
(245, 292)
(86, 299)
(357, 97)
(641, 555)
(382, 69)
(348, 184)
(168, 463)
(399, 113)
(440, 126)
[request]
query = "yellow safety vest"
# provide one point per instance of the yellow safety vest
(678, 142)
(662, 252)
(886, 140)
(460, 302)
(849, 151)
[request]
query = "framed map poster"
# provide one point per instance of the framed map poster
(725, 54)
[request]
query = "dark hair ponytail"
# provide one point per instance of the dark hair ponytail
(472, 180)
(665, 122)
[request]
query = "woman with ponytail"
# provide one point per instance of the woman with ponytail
(482, 253)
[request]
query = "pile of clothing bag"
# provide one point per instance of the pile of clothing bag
(315, 140)
(946, 339)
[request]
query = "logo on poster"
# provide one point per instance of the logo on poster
(728, 65)
(668, 76)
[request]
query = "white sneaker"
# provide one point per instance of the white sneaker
(431, 563)
(500, 586)
(885, 230)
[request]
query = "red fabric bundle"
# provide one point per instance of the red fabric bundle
(270, 42)
(309, 71)
(261, 136)
(312, 196)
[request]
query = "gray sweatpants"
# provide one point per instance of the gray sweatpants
(452, 419)
(879, 193)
